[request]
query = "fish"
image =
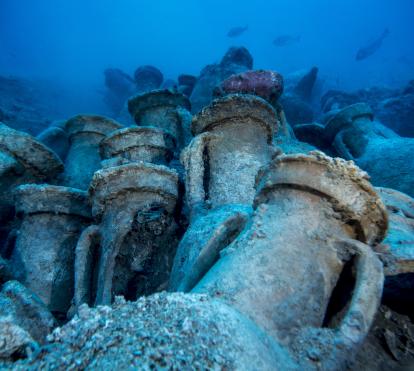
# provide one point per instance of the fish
(237, 31)
(371, 48)
(286, 40)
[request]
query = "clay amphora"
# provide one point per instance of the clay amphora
(133, 144)
(133, 206)
(233, 141)
(83, 159)
(388, 160)
(44, 252)
(165, 109)
(313, 217)
(23, 159)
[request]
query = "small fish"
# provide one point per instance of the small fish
(371, 48)
(237, 31)
(285, 40)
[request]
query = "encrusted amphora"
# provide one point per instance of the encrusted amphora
(83, 159)
(53, 218)
(388, 160)
(233, 140)
(164, 109)
(134, 144)
(130, 250)
(315, 218)
(23, 159)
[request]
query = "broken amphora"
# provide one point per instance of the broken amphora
(133, 241)
(314, 218)
(44, 251)
(388, 160)
(83, 159)
(134, 144)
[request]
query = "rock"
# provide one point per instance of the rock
(389, 344)
(14, 340)
(25, 309)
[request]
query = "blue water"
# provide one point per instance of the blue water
(72, 42)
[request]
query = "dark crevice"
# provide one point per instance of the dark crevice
(341, 295)
(206, 174)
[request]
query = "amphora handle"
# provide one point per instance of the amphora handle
(332, 346)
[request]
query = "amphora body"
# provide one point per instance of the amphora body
(132, 242)
(44, 252)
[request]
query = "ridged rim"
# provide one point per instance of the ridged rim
(111, 145)
(46, 198)
(91, 124)
(156, 98)
(233, 107)
(134, 177)
(30, 152)
(345, 117)
(341, 182)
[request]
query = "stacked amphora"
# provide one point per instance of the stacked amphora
(130, 249)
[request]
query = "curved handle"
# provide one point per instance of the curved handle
(185, 118)
(200, 247)
(341, 147)
(192, 158)
(367, 293)
(84, 263)
(331, 347)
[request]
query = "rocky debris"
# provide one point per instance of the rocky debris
(389, 344)
(236, 60)
(163, 331)
(26, 310)
(15, 342)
